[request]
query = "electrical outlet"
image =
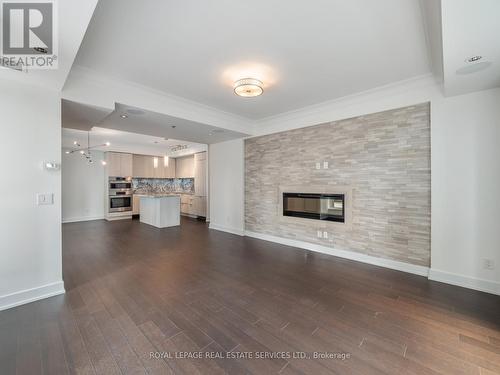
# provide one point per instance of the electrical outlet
(488, 264)
(320, 234)
(325, 234)
(318, 165)
(325, 165)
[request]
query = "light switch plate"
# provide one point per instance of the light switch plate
(325, 165)
(44, 199)
(325, 234)
(320, 234)
(318, 165)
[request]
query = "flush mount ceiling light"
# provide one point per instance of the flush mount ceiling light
(248, 87)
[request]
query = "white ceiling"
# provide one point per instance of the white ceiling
(72, 21)
(82, 117)
(470, 28)
(305, 52)
(127, 142)
(142, 122)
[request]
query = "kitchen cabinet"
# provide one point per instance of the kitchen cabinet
(184, 167)
(158, 169)
(136, 204)
(143, 167)
(199, 206)
(200, 174)
(169, 170)
(126, 165)
(186, 204)
(138, 166)
(193, 205)
(119, 164)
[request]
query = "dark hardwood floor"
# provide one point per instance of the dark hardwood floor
(135, 292)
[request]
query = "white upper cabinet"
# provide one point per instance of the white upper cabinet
(119, 164)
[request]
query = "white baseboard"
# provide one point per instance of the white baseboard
(189, 215)
(239, 232)
(30, 295)
(387, 263)
(120, 217)
(482, 285)
(83, 218)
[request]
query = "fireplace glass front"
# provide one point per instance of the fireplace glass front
(330, 207)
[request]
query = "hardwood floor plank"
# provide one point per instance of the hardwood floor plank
(135, 293)
(124, 356)
(76, 353)
(29, 350)
(135, 337)
(96, 345)
(9, 357)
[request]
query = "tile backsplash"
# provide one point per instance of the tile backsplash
(163, 185)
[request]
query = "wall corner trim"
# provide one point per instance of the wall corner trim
(487, 286)
(30, 295)
(382, 262)
(239, 232)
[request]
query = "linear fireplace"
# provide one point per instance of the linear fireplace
(330, 207)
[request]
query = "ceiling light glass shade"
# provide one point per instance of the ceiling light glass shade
(248, 87)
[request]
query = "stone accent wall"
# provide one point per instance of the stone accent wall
(383, 157)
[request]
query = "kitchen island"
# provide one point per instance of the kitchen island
(160, 210)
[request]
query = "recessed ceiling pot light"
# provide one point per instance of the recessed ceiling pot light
(473, 59)
(248, 87)
(123, 116)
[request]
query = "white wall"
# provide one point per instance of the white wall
(465, 157)
(82, 188)
(466, 190)
(30, 235)
(226, 169)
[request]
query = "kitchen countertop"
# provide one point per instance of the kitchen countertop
(172, 193)
(157, 195)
